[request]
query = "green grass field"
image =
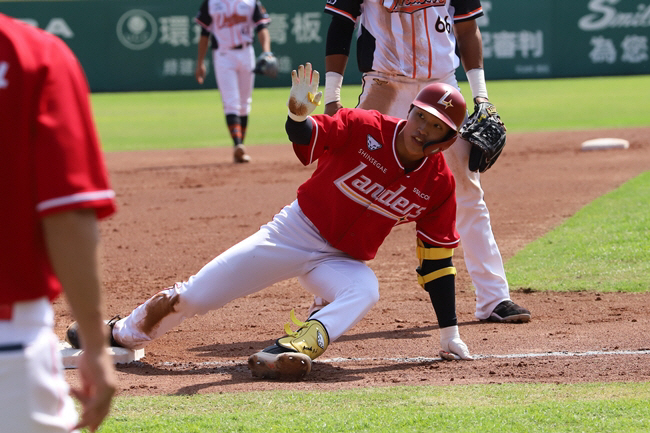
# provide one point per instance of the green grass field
(615, 260)
(512, 408)
(162, 120)
(604, 247)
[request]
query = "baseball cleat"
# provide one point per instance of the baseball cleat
(240, 154)
(286, 365)
(509, 312)
(73, 338)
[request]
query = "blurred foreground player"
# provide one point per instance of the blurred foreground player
(54, 187)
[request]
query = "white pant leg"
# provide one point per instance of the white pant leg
(350, 287)
(246, 79)
(225, 71)
(481, 253)
(235, 79)
(35, 396)
(482, 256)
(389, 95)
(287, 247)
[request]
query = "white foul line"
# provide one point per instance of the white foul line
(507, 356)
(182, 366)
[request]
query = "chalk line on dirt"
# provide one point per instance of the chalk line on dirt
(183, 366)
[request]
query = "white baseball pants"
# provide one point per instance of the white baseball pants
(233, 71)
(392, 95)
(35, 396)
(288, 246)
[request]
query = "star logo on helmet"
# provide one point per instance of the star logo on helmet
(442, 101)
(447, 104)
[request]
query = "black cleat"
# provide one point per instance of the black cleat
(509, 312)
(73, 338)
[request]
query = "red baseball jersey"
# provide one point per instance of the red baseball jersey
(360, 190)
(51, 160)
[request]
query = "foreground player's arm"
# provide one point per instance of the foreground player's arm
(436, 274)
(72, 241)
(337, 51)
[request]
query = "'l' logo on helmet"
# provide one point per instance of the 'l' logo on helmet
(442, 101)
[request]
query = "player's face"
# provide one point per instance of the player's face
(421, 128)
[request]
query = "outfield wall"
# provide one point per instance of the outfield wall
(129, 45)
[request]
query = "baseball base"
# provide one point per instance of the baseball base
(605, 143)
(119, 355)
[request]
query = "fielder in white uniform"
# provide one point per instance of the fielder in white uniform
(374, 172)
(232, 23)
(402, 47)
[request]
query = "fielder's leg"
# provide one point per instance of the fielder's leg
(481, 253)
(226, 73)
(393, 96)
(245, 82)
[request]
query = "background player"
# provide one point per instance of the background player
(400, 49)
(232, 23)
(54, 187)
(373, 174)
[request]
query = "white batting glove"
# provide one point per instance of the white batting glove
(453, 348)
(304, 96)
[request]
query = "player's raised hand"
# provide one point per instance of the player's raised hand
(452, 346)
(304, 96)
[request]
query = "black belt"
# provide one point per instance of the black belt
(240, 46)
(12, 347)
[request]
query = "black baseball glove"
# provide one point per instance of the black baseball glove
(487, 134)
(266, 64)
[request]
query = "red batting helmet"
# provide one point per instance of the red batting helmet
(443, 101)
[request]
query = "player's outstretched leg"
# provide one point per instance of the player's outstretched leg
(290, 357)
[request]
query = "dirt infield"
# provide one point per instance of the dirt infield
(180, 208)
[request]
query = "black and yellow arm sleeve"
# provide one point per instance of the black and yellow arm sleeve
(436, 274)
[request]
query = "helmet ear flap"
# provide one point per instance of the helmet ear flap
(429, 148)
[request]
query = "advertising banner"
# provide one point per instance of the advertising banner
(137, 45)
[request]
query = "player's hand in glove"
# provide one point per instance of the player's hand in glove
(304, 96)
(266, 64)
(487, 134)
(453, 348)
